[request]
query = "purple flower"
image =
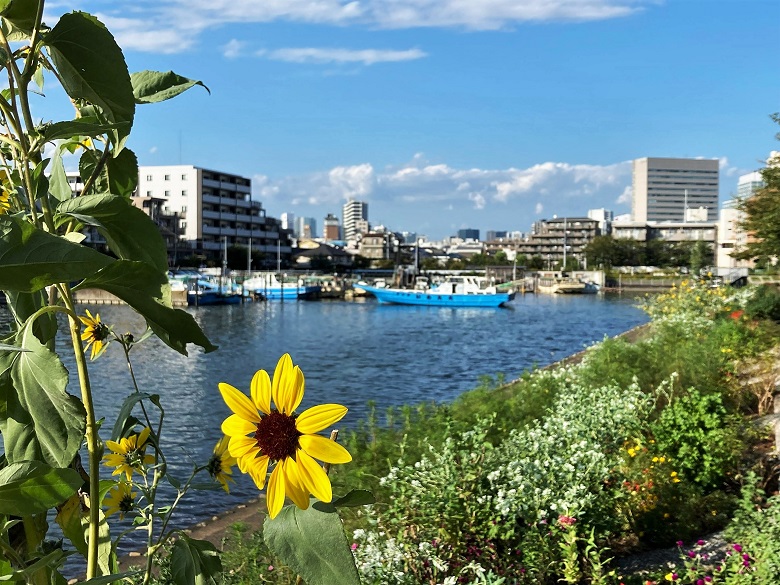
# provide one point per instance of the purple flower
(679, 543)
(746, 563)
(708, 579)
(737, 547)
(699, 543)
(746, 557)
(691, 554)
(699, 581)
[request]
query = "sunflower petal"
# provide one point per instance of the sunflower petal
(274, 497)
(242, 448)
(316, 418)
(115, 447)
(235, 426)
(295, 492)
(296, 388)
(143, 436)
(324, 449)
(260, 389)
(258, 470)
(313, 477)
(281, 381)
(239, 403)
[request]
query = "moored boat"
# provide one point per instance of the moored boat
(457, 291)
(268, 285)
(562, 284)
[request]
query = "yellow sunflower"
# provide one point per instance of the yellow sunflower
(261, 434)
(221, 463)
(120, 498)
(5, 202)
(96, 334)
(129, 454)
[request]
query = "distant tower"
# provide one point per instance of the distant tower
(352, 213)
(665, 188)
(331, 228)
(468, 234)
(288, 223)
(749, 184)
(306, 227)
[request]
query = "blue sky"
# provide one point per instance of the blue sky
(445, 114)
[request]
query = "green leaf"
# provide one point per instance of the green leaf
(355, 498)
(20, 13)
(313, 544)
(32, 487)
(4, 347)
(85, 126)
(154, 86)
(148, 292)
(74, 521)
(125, 412)
(58, 182)
(92, 68)
(24, 305)
(31, 259)
(130, 233)
(118, 176)
(194, 562)
(39, 420)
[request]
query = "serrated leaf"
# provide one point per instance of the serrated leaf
(148, 292)
(194, 562)
(20, 13)
(313, 544)
(117, 176)
(32, 487)
(155, 86)
(130, 233)
(92, 68)
(354, 498)
(39, 420)
(31, 259)
(85, 126)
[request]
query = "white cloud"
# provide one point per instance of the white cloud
(538, 209)
(233, 48)
(153, 150)
(326, 56)
(626, 195)
(170, 26)
(478, 200)
(352, 182)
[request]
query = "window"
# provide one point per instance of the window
(183, 208)
(148, 193)
(184, 177)
(184, 224)
(167, 193)
(184, 192)
(167, 177)
(148, 177)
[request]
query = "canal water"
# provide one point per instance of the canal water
(350, 353)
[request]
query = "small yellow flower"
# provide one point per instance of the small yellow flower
(120, 498)
(96, 334)
(261, 434)
(221, 463)
(5, 202)
(129, 454)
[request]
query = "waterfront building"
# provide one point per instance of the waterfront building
(354, 218)
(211, 209)
(664, 189)
(668, 231)
(377, 245)
(468, 234)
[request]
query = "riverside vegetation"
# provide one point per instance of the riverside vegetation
(553, 478)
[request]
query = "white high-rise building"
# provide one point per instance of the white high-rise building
(210, 208)
(288, 222)
(354, 218)
(665, 189)
(749, 184)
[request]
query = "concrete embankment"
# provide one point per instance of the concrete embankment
(94, 296)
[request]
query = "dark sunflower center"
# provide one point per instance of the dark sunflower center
(100, 332)
(215, 465)
(277, 436)
(126, 503)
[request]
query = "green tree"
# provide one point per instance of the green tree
(762, 215)
(602, 251)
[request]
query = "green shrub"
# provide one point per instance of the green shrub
(764, 304)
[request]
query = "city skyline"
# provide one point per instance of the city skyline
(444, 115)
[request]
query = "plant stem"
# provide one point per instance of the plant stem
(92, 438)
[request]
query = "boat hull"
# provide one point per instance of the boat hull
(431, 298)
(212, 298)
(287, 293)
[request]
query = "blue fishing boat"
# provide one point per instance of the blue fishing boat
(456, 291)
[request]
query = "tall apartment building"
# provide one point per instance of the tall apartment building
(331, 229)
(354, 213)
(749, 184)
(210, 208)
(665, 189)
(288, 222)
(468, 234)
(306, 227)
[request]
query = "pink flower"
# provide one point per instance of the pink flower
(679, 543)
(737, 547)
(566, 521)
(354, 546)
(270, 567)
